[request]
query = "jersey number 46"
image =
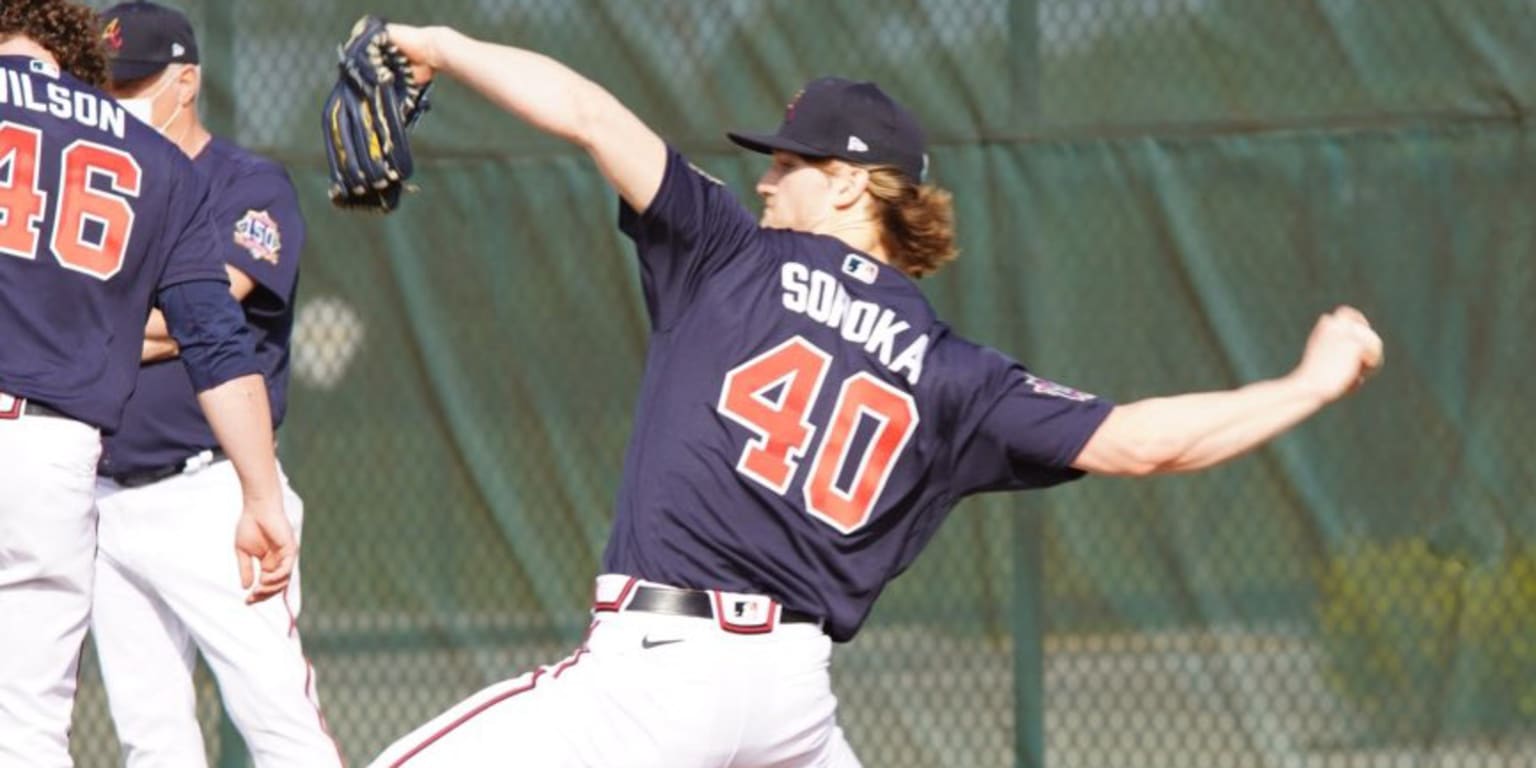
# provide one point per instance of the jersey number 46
(773, 394)
(90, 225)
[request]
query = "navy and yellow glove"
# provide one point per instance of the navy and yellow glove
(373, 105)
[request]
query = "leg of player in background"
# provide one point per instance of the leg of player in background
(147, 657)
(47, 546)
(266, 684)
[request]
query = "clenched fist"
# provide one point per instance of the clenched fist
(1342, 352)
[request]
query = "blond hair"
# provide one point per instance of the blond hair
(917, 221)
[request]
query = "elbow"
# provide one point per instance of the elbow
(1122, 449)
(591, 112)
(1151, 456)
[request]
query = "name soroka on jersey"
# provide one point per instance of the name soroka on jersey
(822, 297)
(63, 102)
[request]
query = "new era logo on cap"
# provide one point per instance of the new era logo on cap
(856, 144)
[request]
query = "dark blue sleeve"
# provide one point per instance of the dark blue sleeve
(193, 252)
(691, 230)
(1021, 431)
(261, 232)
(206, 322)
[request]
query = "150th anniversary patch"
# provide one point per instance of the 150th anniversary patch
(257, 232)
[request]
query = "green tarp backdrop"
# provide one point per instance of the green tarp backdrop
(1154, 196)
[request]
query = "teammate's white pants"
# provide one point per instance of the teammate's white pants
(47, 541)
(650, 691)
(167, 586)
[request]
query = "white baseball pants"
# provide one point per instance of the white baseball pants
(649, 690)
(47, 542)
(168, 586)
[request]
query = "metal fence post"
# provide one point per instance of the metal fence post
(1028, 639)
(1028, 527)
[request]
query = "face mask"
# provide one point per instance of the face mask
(143, 107)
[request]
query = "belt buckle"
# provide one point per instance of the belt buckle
(197, 462)
(745, 614)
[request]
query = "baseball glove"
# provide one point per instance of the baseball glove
(374, 103)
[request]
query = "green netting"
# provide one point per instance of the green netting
(1154, 196)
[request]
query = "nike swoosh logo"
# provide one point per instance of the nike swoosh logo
(647, 643)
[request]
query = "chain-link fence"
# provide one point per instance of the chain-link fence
(1154, 196)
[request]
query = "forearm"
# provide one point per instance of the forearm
(1190, 432)
(265, 547)
(557, 100)
(241, 419)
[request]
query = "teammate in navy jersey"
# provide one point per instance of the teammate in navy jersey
(100, 218)
(805, 424)
(166, 495)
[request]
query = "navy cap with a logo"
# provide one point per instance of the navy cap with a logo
(143, 38)
(853, 121)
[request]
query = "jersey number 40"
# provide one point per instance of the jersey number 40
(773, 393)
(90, 225)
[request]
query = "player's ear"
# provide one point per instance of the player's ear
(188, 81)
(849, 184)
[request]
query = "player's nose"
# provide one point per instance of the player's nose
(767, 182)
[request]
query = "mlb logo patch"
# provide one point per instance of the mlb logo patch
(860, 268)
(744, 614)
(43, 68)
(1048, 387)
(257, 232)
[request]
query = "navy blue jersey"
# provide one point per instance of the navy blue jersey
(260, 232)
(805, 421)
(97, 213)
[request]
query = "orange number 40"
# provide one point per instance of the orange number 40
(772, 395)
(22, 200)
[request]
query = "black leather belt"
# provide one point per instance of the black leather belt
(34, 408)
(22, 406)
(695, 603)
(156, 474)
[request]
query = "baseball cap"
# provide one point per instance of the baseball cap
(853, 121)
(143, 38)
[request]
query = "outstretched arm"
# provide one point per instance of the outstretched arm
(549, 96)
(1190, 432)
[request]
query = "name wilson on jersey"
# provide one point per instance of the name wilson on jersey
(63, 102)
(821, 297)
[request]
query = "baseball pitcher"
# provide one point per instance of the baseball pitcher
(805, 424)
